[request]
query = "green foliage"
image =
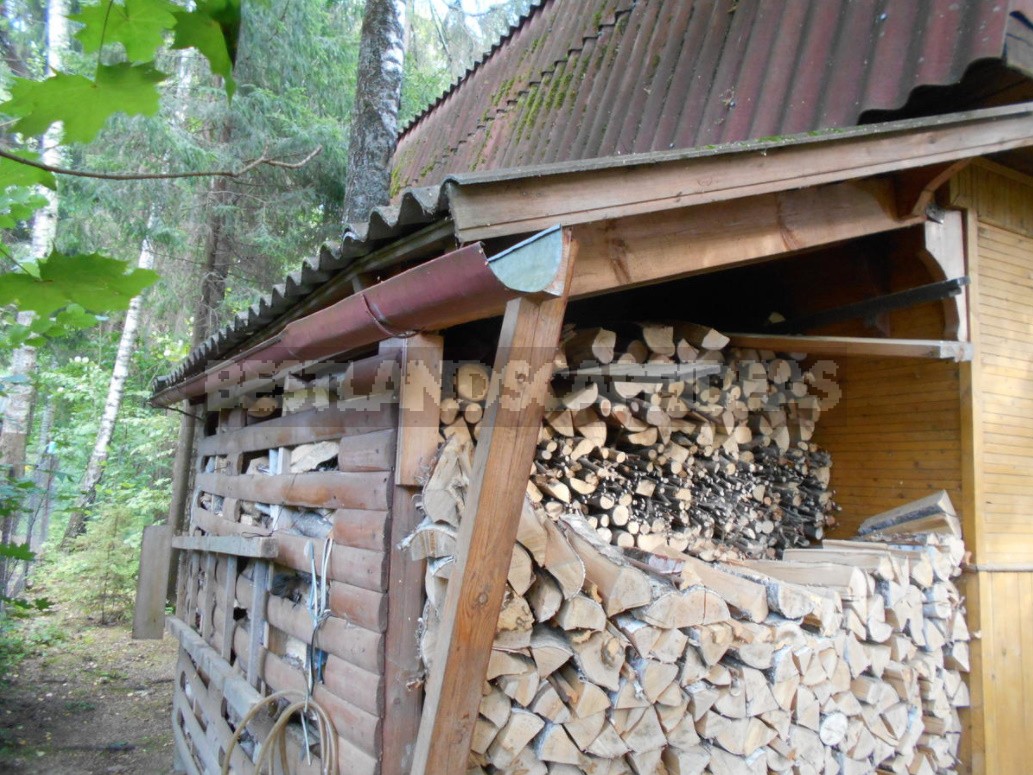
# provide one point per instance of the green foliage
(13, 173)
(21, 637)
(92, 282)
(109, 556)
(139, 25)
(120, 88)
(212, 28)
(17, 552)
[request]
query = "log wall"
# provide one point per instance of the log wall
(998, 400)
(321, 470)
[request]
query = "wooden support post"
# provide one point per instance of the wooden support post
(228, 606)
(505, 450)
(419, 399)
(208, 607)
(256, 631)
(149, 611)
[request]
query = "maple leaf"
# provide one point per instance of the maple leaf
(92, 281)
(13, 173)
(119, 88)
(212, 28)
(139, 25)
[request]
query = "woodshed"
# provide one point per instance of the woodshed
(670, 419)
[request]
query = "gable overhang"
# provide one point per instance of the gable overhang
(486, 205)
(736, 203)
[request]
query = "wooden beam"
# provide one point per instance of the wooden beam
(419, 409)
(944, 255)
(916, 188)
(152, 584)
(523, 367)
(491, 205)
(239, 546)
(856, 345)
(664, 246)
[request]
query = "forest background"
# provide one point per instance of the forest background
(73, 521)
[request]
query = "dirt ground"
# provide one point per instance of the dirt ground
(95, 701)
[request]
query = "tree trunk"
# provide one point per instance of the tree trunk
(374, 125)
(116, 387)
(17, 417)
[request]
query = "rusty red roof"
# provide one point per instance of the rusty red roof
(583, 79)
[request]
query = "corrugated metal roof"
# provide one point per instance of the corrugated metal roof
(581, 79)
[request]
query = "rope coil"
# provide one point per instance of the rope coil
(276, 740)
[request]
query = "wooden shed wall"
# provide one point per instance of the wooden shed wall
(999, 522)
(368, 632)
(895, 435)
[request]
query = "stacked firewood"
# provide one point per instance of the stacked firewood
(844, 659)
(667, 438)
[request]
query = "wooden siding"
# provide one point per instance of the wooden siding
(1004, 306)
(894, 436)
(999, 518)
(1005, 660)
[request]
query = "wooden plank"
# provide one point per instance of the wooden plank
(323, 489)
(421, 361)
(152, 583)
(855, 345)
(503, 205)
(229, 624)
(266, 377)
(523, 366)
(373, 451)
(239, 546)
(257, 635)
(650, 247)
(354, 416)
(420, 405)
(208, 609)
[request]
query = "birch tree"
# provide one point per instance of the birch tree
(21, 391)
(374, 126)
(116, 388)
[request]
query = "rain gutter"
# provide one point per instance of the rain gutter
(458, 287)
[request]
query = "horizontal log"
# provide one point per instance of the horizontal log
(358, 567)
(342, 418)
(361, 528)
(325, 489)
(856, 345)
